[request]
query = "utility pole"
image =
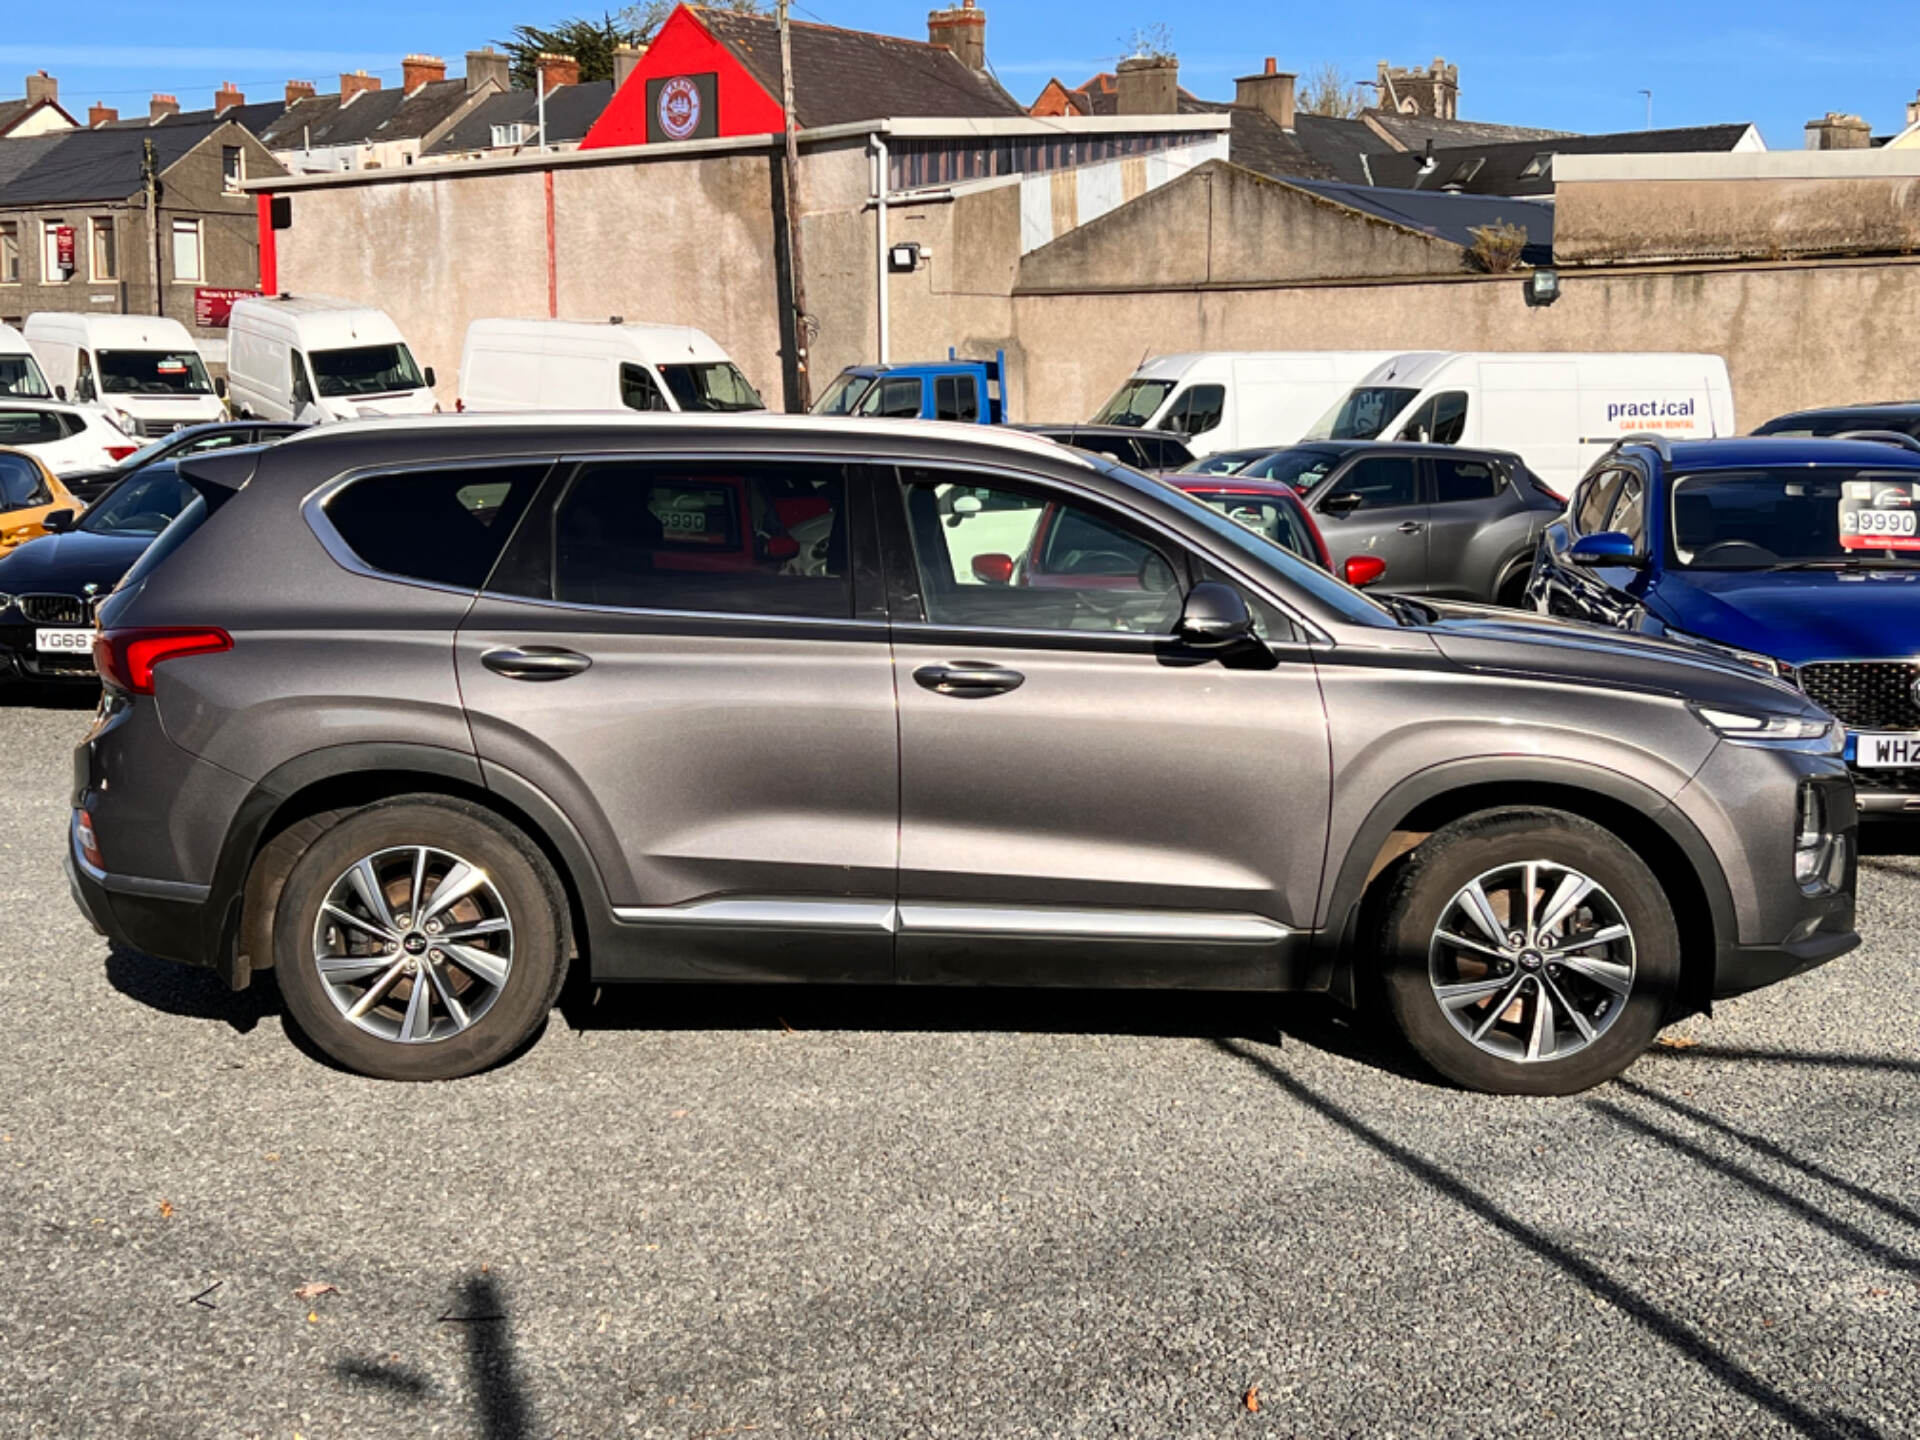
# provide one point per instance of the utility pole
(150, 176)
(1649, 95)
(800, 318)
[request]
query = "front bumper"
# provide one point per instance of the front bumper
(19, 660)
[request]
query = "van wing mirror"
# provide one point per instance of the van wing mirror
(431, 382)
(220, 386)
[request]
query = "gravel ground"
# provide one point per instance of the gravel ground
(785, 1213)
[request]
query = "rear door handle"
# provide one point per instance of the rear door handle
(535, 662)
(969, 679)
(1410, 527)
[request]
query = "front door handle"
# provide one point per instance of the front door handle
(535, 662)
(1410, 527)
(969, 679)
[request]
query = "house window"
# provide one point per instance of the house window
(51, 270)
(506, 136)
(10, 253)
(1467, 169)
(233, 171)
(1540, 167)
(106, 263)
(186, 250)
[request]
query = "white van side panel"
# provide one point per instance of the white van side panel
(1272, 397)
(1532, 409)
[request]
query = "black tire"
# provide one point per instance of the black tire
(1512, 589)
(524, 883)
(1423, 887)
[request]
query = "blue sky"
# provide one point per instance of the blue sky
(1573, 68)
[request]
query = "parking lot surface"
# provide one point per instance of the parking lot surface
(761, 1212)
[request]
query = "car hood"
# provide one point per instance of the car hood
(1515, 642)
(1799, 615)
(416, 402)
(67, 564)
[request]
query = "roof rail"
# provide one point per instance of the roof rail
(1880, 437)
(1661, 444)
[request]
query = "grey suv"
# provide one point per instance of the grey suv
(418, 714)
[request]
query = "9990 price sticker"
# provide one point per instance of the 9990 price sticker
(1881, 522)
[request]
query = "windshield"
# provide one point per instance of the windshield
(1803, 517)
(1222, 462)
(152, 372)
(19, 375)
(1364, 413)
(1268, 516)
(1302, 469)
(843, 395)
(142, 504)
(365, 370)
(1134, 403)
(710, 387)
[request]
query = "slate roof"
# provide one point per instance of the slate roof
(371, 117)
(1100, 95)
(1500, 169)
(841, 76)
(1413, 131)
(256, 117)
(75, 166)
(571, 111)
(1449, 217)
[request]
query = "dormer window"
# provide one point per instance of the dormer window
(1540, 167)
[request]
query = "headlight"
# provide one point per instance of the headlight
(1767, 729)
(6, 602)
(1779, 669)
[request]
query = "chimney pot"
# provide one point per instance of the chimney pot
(101, 115)
(162, 106)
(418, 70)
(963, 30)
(1148, 85)
(358, 83)
(484, 65)
(226, 97)
(1271, 93)
(558, 70)
(1273, 66)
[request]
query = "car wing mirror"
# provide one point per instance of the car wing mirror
(993, 569)
(1362, 570)
(1342, 504)
(1605, 547)
(1215, 615)
(57, 522)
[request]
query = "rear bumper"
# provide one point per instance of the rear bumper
(163, 918)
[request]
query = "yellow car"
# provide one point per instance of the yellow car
(29, 492)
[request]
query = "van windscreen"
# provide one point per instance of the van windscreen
(710, 387)
(152, 372)
(365, 370)
(19, 376)
(844, 395)
(1134, 403)
(1363, 414)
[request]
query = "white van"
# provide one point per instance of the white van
(1234, 400)
(1558, 411)
(576, 365)
(143, 370)
(20, 375)
(313, 358)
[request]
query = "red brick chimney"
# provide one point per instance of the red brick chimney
(163, 106)
(298, 90)
(359, 82)
(42, 86)
(226, 97)
(963, 30)
(101, 115)
(418, 70)
(558, 70)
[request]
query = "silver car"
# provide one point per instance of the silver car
(419, 715)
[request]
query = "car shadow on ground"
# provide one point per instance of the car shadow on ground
(189, 991)
(38, 695)
(1890, 838)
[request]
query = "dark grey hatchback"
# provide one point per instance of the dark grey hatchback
(419, 714)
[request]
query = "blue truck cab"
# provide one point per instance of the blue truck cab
(969, 391)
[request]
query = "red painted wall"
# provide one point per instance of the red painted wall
(269, 246)
(684, 47)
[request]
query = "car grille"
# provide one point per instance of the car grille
(156, 429)
(54, 609)
(1887, 782)
(1866, 694)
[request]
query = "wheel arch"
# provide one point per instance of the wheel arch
(1676, 852)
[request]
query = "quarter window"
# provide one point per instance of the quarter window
(446, 527)
(726, 537)
(1380, 482)
(956, 397)
(1457, 480)
(1012, 559)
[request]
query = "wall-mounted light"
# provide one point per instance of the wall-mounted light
(903, 259)
(1543, 287)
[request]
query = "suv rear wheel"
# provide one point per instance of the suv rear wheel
(1528, 952)
(419, 939)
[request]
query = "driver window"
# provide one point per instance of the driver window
(1441, 421)
(83, 376)
(1196, 410)
(989, 555)
(895, 397)
(1379, 482)
(637, 390)
(301, 391)
(1596, 502)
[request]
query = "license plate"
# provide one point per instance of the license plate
(63, 642)
(1887, 752)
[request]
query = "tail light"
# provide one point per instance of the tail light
(120, 452)
(126, 658)
(89, 846)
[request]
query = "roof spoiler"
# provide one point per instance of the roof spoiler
(219, 476)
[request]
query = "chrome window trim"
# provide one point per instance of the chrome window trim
(962, 918)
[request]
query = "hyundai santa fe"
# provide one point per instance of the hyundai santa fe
(421, 714)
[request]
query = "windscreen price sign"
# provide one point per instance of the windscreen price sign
(1880, 515)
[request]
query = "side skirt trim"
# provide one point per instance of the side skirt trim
(924, 918)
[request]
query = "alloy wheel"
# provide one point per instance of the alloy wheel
(413, 944)
(1532, 961)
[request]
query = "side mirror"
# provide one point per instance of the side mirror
(779, 547)
(60, 393)
(1215, 615)
(220, 386)
(1605, 547)
(1363, 570)
(57, 522)
(431, 382)
(993, 569)
(1342, 504)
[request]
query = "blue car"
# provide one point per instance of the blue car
(1800, 557)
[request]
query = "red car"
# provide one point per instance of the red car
(1273, 510)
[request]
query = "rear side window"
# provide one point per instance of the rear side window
(35, 427)
(1456, 480)
(21, 486)
(956, 397)
(723, 537)
(446, 527)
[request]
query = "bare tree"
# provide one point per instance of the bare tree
(1328, 91)
(1148, 42)
(643, 20)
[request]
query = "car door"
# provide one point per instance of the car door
(1083, 799)
(673, 651)
(1375, 506)
(1477, 527)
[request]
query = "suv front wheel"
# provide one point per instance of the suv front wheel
(419, 939)
(1528, 952)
